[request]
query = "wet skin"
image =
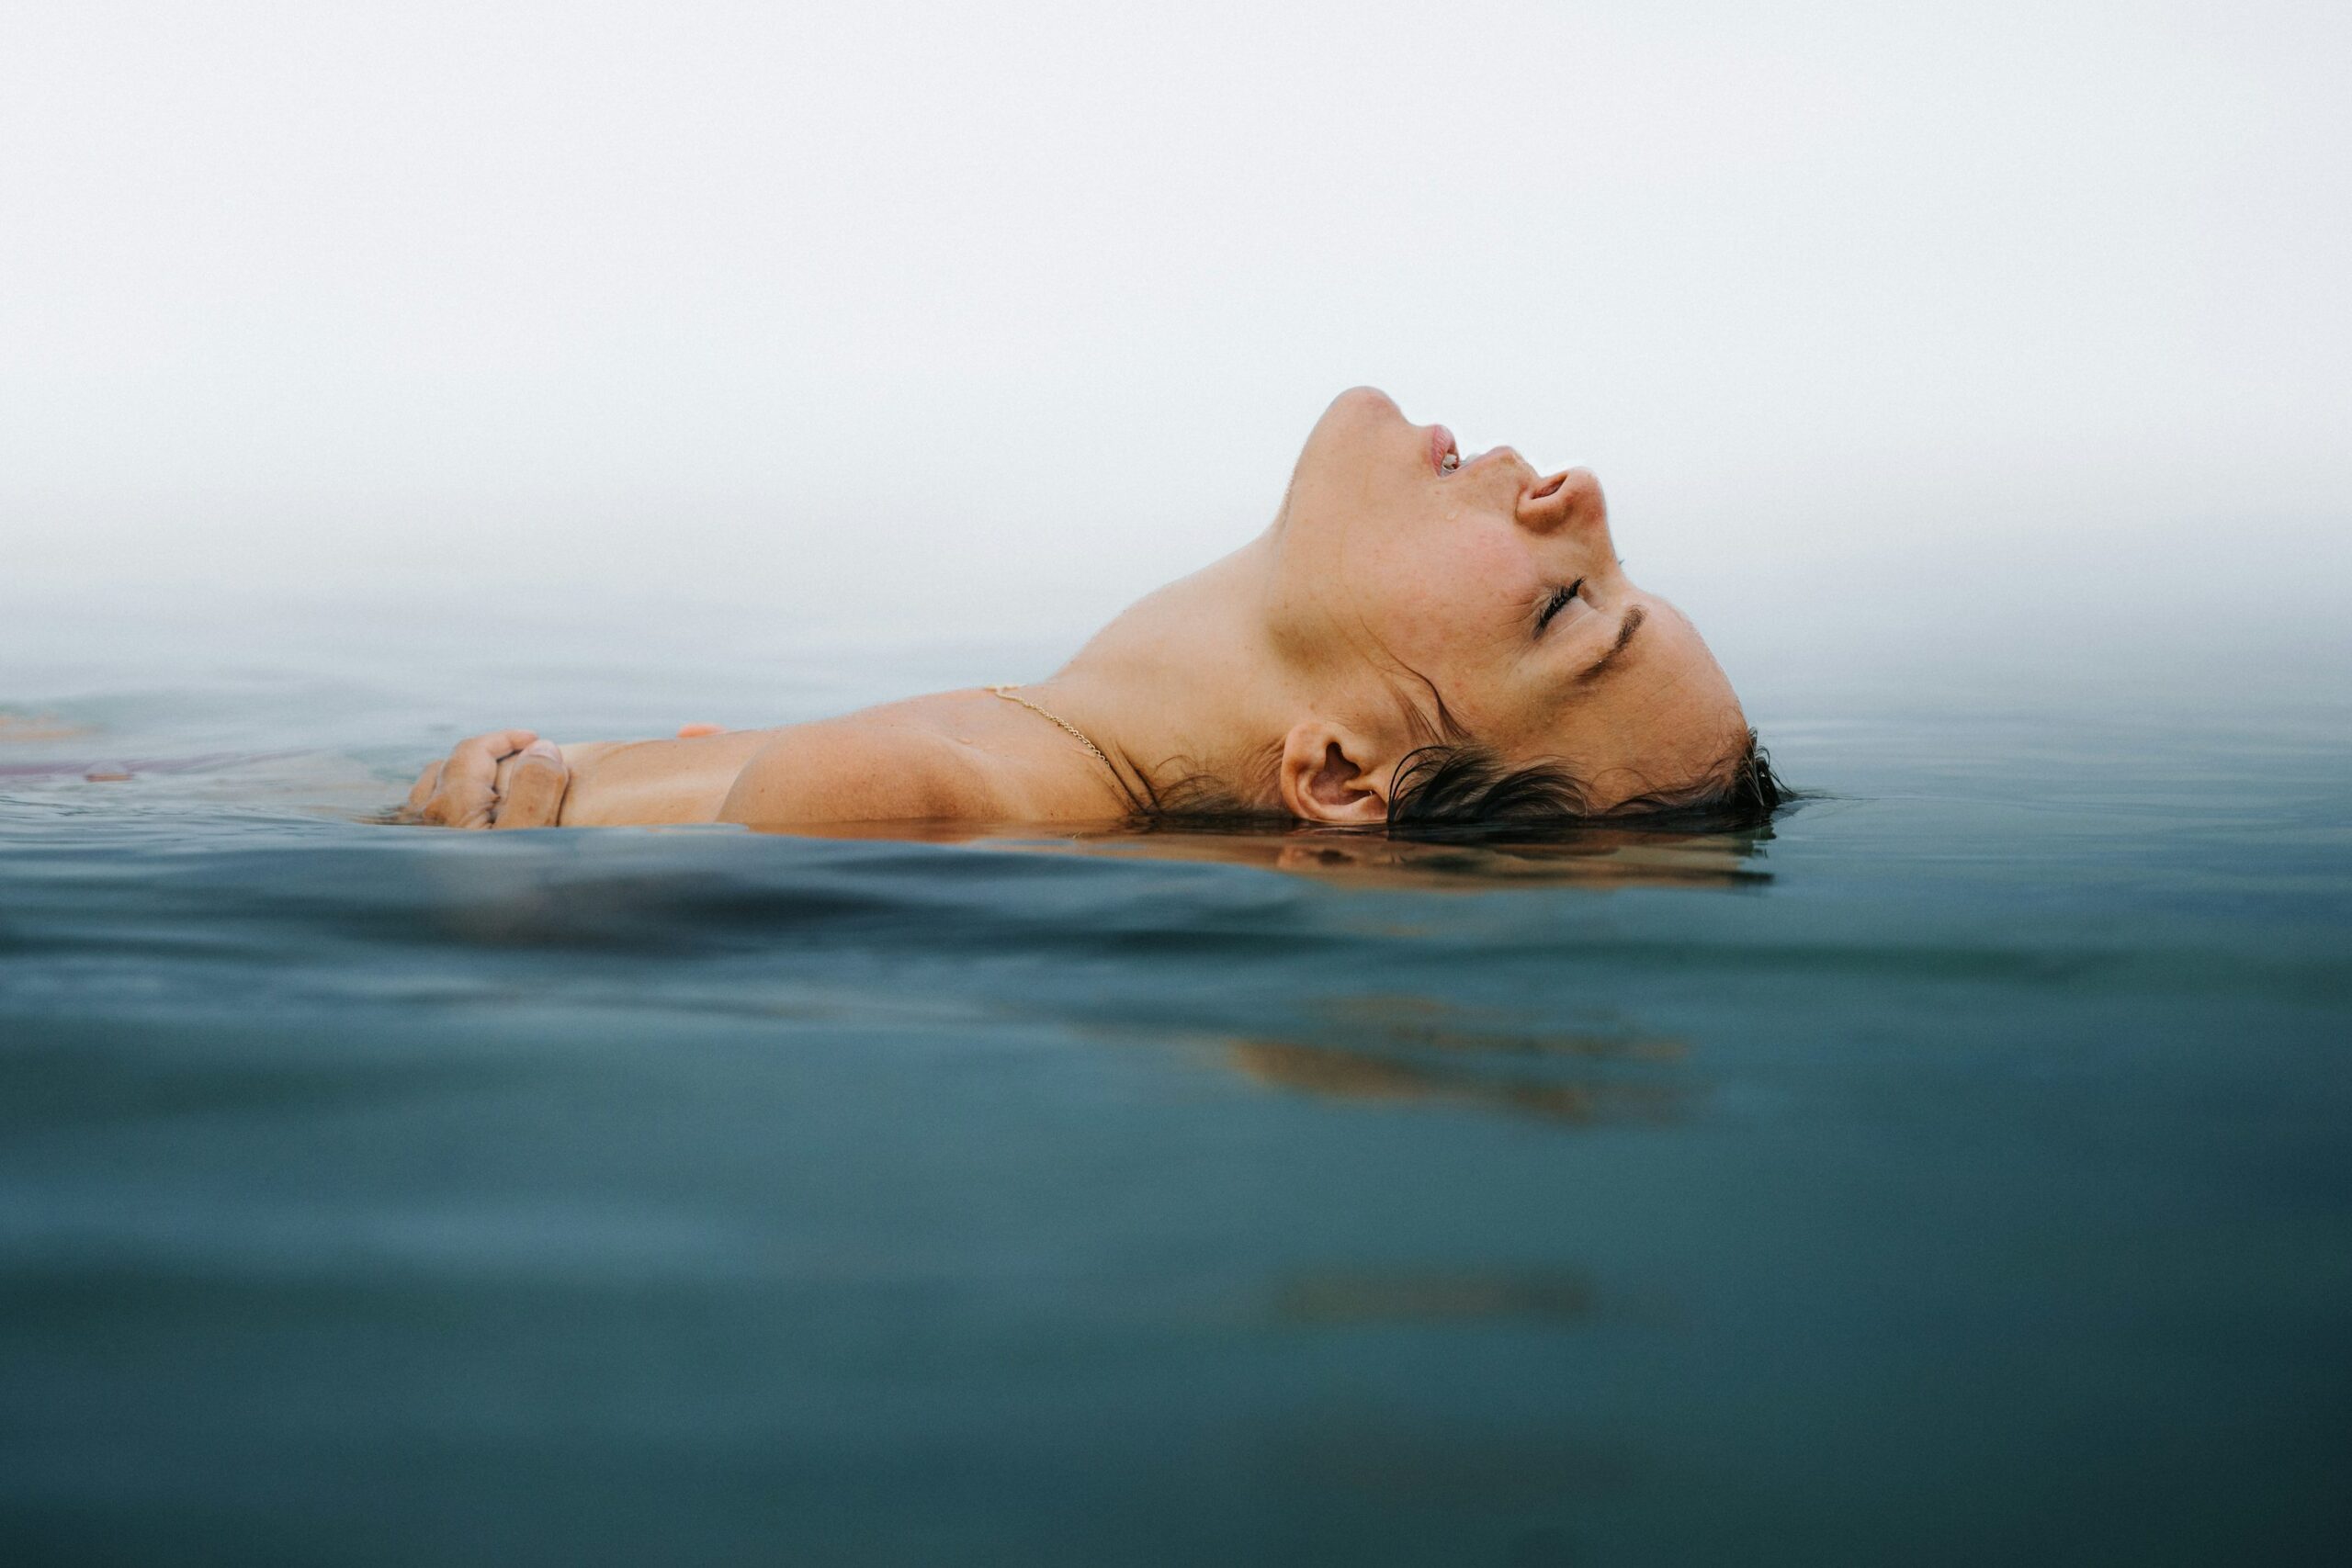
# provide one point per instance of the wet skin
(1404, 595)
(1440, 579)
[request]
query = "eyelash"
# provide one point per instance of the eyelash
(1559, 601)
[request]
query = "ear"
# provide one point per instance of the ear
(1326, 776)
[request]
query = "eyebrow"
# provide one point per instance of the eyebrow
(1625, 630)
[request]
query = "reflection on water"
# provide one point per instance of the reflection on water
(1342, 1073)
(1379, 1066)
(1424, 1048)
(702, 1196)
(1581, 857)
(1595, 856)
(25, 729)
(1431, 1023)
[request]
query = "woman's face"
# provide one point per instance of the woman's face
(1473, 580)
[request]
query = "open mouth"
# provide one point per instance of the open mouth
(1442, 450)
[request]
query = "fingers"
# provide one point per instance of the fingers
(467, 790)
(422, 791)
(498, 777)
(531, 788)
(506, 778)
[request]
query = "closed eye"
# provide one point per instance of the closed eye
(1561, 599)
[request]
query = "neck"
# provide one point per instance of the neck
(1181, 684)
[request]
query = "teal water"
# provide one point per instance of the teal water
(1960, 1173)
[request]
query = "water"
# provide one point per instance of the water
(1960, 1173)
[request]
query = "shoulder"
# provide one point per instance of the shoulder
(865, 769)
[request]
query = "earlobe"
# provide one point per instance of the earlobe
(1325, 777)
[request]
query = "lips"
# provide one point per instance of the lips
(1441, 447)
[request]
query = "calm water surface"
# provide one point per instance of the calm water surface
(1960, 1173)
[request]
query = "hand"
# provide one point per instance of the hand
(508, 778)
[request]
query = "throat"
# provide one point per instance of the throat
(1180, 693)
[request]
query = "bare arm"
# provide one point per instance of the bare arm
(510, 778)
(845, 770)
(624, 783)
(862, 770)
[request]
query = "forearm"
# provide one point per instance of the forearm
(625, 782)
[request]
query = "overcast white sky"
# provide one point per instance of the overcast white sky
(912, 317)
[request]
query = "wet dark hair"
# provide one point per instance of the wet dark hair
(1462, 789)
(1442, 791)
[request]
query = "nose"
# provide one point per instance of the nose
(1569, 498)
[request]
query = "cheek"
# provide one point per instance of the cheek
(1447, 594)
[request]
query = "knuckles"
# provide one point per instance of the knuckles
(467, 789)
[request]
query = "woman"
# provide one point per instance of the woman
(1417, 640)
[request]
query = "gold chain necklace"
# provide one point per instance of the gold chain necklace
(1074, 731)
